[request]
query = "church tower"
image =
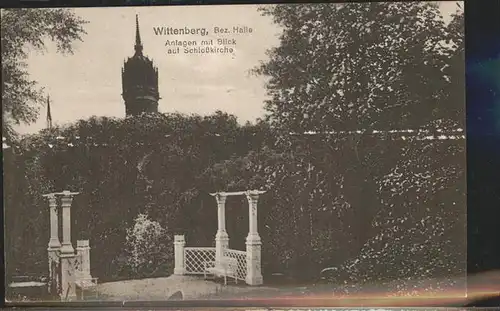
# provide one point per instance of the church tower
(139, 81)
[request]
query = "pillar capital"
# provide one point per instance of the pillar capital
(67, 198)
(253, 195)
(179, 239)
(66, 201)
(220, 197)
(51, 197)
(52, 202)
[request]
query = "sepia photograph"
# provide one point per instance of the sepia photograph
(252, 152)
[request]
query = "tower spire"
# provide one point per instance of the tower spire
(138, 43)
(49, 115)
(139, 80)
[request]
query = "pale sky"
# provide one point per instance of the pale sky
(88, 82)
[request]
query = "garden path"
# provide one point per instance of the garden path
(192, 288)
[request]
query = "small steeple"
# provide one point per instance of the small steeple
(49, 115)
(138, 43)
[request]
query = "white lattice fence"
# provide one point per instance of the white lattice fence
(241, 259)
(196, 257)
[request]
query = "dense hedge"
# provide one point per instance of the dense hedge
(331, 201)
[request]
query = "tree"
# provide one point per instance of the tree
(356, 66)
(23, 30)
(376, 66)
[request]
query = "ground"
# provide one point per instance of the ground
(197, 288)
(192, 288)
(317, 295)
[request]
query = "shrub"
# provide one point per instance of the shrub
(149, 248)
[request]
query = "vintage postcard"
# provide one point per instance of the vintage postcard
(235, 152)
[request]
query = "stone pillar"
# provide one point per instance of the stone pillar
(221, 237)
(67, 246)
(54, 242)
(83, 254)
(54, 246)
(68, 277)
(253, 242)
(179, 244)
